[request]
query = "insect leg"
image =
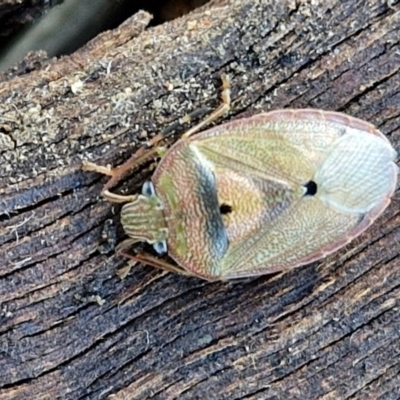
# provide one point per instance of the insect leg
(148, 259)
(145, 153)
(199, 113)
(117, 198)
(221, 110)
(118, 173)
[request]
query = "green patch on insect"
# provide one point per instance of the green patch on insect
(257, 195)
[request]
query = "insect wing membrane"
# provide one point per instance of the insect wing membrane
(357, 172)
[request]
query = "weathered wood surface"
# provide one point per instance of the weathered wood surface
(330, 330)
(68, 26)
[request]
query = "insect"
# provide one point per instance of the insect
(258, 195)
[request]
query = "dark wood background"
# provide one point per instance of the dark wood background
(70, 328)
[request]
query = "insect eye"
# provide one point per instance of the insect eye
(148, 189)
(311, 188)
(160, 247)
(225, 209)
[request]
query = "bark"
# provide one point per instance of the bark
(70, 328)
(67, 27)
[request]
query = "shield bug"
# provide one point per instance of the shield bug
(259, 195)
